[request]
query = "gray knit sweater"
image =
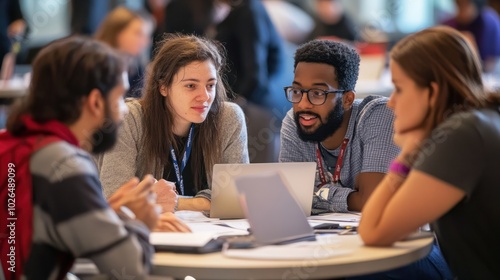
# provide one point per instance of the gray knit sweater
(123, 162)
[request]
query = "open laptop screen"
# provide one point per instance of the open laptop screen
(225, 203)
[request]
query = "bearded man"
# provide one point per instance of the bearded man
(49, 184)
(349, 139)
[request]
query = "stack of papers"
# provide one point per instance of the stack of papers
(343, 219)
(323, 247)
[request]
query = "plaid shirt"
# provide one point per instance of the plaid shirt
(370, 149)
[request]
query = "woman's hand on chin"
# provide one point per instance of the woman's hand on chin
(410, 142)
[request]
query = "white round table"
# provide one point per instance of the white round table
(362, 260)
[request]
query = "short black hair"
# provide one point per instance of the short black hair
(341, 56)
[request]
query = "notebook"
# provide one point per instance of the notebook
(274, 214)
(225, 204)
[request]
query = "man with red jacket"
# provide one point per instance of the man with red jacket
(52, 207)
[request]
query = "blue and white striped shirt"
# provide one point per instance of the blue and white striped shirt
(370, 149)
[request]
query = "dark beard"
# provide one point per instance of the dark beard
(105, 137)
(325, 130)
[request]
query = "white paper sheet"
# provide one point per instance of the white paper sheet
(240, 224)
(321, 249)
(193, 216)
(215, 230)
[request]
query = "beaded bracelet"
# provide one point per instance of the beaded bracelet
(399, 168)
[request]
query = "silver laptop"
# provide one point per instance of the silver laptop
(273, 212)
(299, 176)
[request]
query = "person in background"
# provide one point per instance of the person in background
(130, 33)
(74, 106)
(255, 49)
(256, 56)
(189, 16)
(12, 25)
(157, 9)
(332, 21)
(87, 15)
(349, 139)
(447, 171)
(181, 127)
(481, 24)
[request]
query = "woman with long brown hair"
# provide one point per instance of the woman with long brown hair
(447, 174)
(129, 32)
(181, 127)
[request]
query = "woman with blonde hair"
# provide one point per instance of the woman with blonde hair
(180, 128)
(129, 32)
(448, 128)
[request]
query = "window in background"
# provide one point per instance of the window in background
(47, 20)
(413, 15)
(397, 16)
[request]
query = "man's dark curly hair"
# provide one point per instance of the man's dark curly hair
(342, 57)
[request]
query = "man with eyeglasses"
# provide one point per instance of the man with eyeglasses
(350, 139)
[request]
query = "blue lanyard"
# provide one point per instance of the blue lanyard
(185, 157)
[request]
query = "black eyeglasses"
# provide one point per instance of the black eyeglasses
(314, 95)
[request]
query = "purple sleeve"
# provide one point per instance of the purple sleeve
(490, 41)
